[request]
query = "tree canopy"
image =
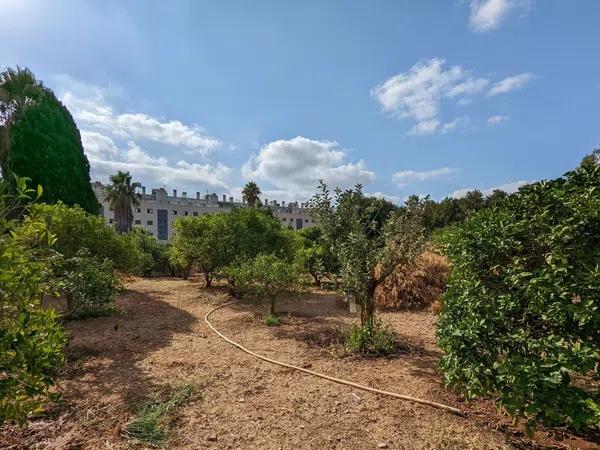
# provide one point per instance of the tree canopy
(40, 140)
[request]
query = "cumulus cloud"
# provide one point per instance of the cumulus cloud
(295, 166)
(390, 198)
(98, 146)
(508, 187)
(495, 120)
(488, 15)
(154, 171)
(419, 93)
(406, 177)
(90, 108)
(510, 84)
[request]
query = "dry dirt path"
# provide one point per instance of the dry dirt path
(159, 339)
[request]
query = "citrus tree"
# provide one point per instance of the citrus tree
(31, 339)
(521, 316)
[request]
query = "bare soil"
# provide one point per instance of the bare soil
(158, 339)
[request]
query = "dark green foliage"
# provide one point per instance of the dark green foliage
(251, 193)
(153, 254)
(90, 286)
(521, 317)
(45, 145)
(31, 339)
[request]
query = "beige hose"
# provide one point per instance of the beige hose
(327, 377)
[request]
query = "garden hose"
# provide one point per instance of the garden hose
(327, 377)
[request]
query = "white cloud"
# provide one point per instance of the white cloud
(419, 93)
(456, 124)
(495, 120)
(90, 108)
(153, 171)
(295, 166)
(488, 15)
(406, 177)
(425, 127)
(510, 84)
(98, 146)
(508, 187)
(390, 198)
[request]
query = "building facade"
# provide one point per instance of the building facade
(158, 210)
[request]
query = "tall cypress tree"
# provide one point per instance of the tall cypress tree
(45, 145)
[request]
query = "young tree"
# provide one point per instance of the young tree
(197, 243)
(31, 338)
(251, 193)
(266, 277)
(40, 140)
(367, 244)
(121, 195)
(313, 256)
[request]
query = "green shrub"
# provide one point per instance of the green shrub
(153, 254)
(90, 286)
(521, 316)
(378, 339)
(272, 320)
(75, 229)
(31, 339)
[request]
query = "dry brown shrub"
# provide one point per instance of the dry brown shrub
(418, 288)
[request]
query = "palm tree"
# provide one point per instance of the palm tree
(18, 90)
(121, 196)
(251, 193)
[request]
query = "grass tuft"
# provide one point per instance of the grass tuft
(149, 426)
(272, 320)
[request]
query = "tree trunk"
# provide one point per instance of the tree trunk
(207, 278)
(317, 279)
(272, 306)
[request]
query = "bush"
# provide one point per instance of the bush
(75, 229)
(153, 254)
(415, 287)
(31, 339)
(521, 317)
(379, 339)
(90, 286)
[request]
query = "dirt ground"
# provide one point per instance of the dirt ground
(159, 339)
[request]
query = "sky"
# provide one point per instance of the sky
(430, 97)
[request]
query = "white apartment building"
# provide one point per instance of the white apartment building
(158, 210)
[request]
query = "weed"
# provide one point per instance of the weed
(271, 320)
(377, 338)
(149, 426)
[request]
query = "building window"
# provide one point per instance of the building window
(185, 213)
(149, 211)
(174, 212)
(306, 220)
(138, 222)
(110, 221)
(139, 210)
(149, 222)
(195, 213)
(284, 219)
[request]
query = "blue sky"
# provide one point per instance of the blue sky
(425, 97)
